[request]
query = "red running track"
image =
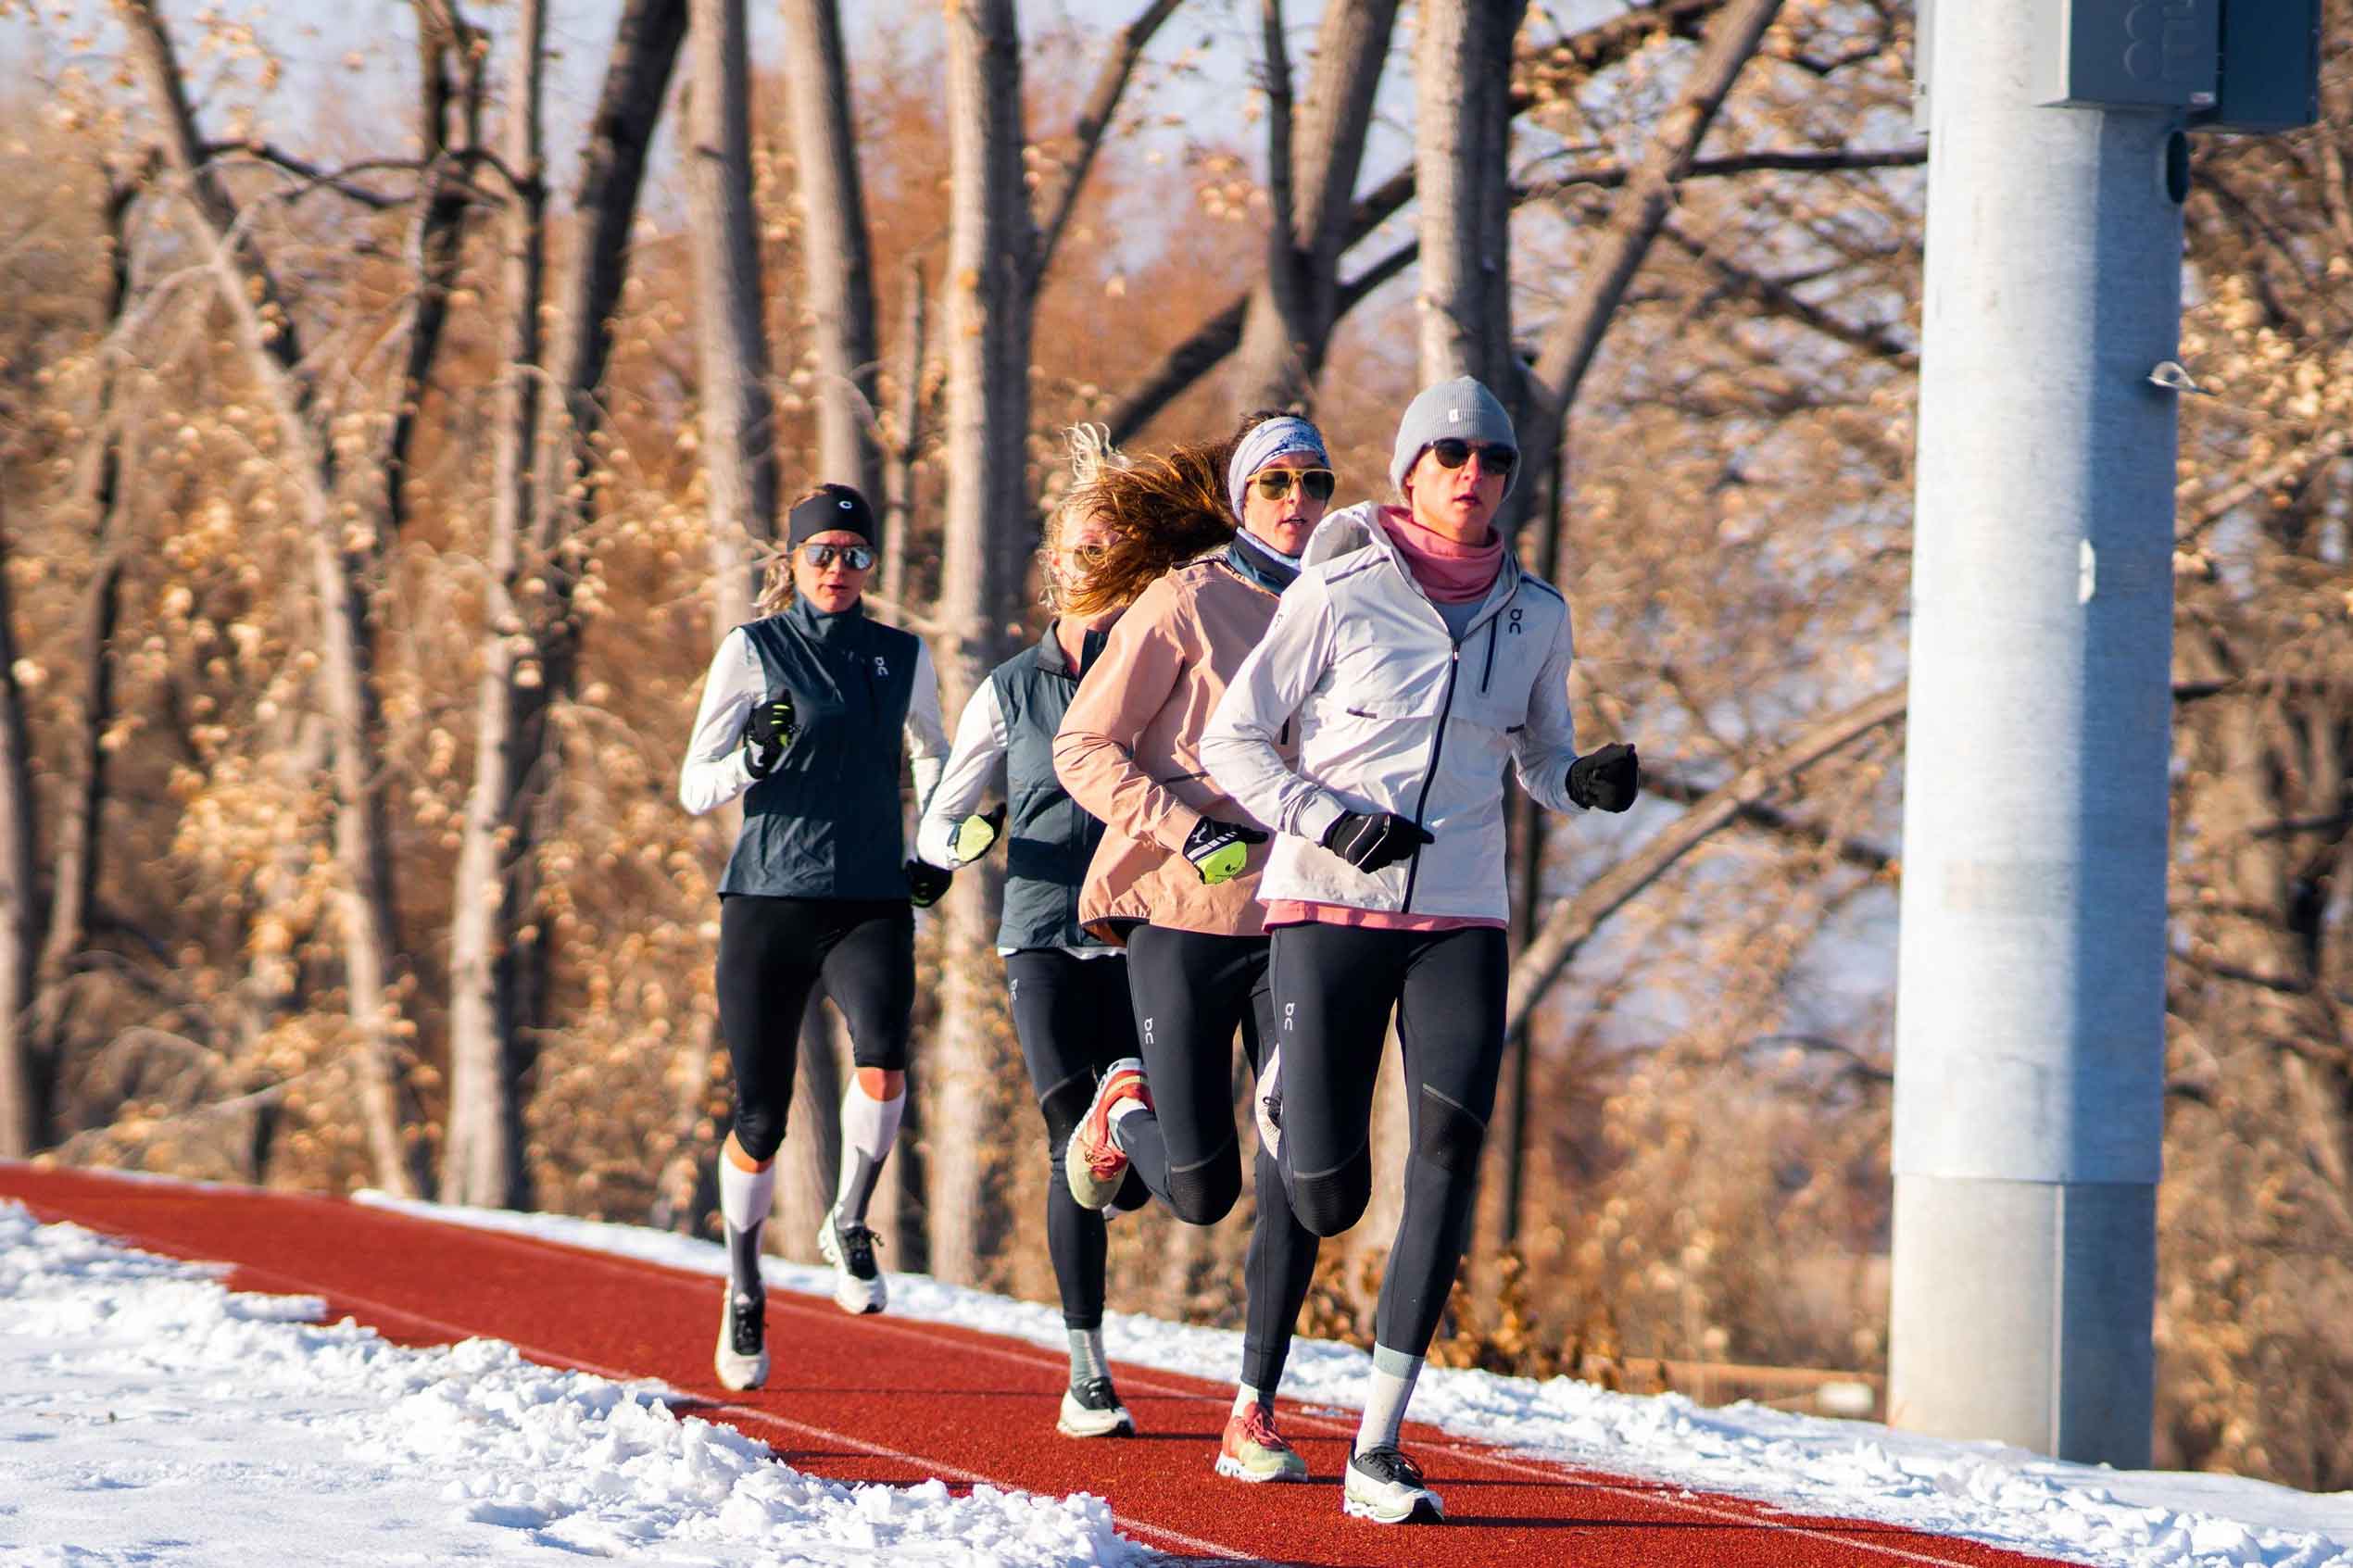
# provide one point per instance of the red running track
(879, 1398)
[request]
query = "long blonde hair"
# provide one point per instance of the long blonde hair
(1161, 511)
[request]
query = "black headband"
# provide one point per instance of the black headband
(833, 506)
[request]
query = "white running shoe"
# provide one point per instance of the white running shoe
(858, 1284)
(741, 1359)
(1386, 1487)
(1092, 1163)
(1092, 1409)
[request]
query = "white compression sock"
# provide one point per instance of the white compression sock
(1385, 1400)
(744, 1199)
(868, 1126)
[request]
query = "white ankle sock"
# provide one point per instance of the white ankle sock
(1245, 1397)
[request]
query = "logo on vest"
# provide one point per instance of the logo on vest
(882, 671)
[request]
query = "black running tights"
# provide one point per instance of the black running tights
(773, 952)
(1074, 1021)
(1334, 987)
(1191, 991)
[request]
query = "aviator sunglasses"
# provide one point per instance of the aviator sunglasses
(1274, 483)
(1494, 459)
(858, 557)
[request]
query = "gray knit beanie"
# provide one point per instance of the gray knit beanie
(1462, 409)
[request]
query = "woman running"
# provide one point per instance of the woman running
(1177, 879)
(802, 714)
(1069, 986)
(1413, 660)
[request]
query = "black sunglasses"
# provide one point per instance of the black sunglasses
(1274, 483)
(860, 556)
(1494, 459)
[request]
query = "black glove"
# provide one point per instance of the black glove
(926, 884)
(975, 835)
(1219, 851)
(1605, 780)
(1371, 843)
(768, 729)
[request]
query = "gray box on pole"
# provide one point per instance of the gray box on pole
(2125, 54)
(2271, 73)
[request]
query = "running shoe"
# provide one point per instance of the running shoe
(1266, 1106)
(741, 1359)
(1092, 1409)
(858, 1284)
(1253, 1450)
(1386, 1487)
(1093, 1163)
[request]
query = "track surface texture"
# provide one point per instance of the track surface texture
(879, 1398)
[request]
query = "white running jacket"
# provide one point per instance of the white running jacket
(1395, 715)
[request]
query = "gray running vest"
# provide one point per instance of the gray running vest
(1049, 839)
(827, 823)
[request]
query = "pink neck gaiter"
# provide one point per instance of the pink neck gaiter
(1448, 571)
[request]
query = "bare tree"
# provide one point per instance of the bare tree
(497, 957)
(1314, 160)
(343, 566)
(999, 251)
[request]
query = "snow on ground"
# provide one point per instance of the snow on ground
(149, 1414)
(2003, 1496)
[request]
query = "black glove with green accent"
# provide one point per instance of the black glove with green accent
(976, 835)
(1375, 842)
(768, 729)
(926, 884)
(1605, 780)
(1219, 851)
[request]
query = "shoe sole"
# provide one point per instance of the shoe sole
(1426, 1509)
(868, 1298)
(1120, 1427)
(1086, 1190)
(738, 1374)
(1234, 1470)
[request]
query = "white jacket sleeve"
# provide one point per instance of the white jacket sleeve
(980, 747)
(1239, 747)
(926, 737)
(1548, 745)
(713, 773)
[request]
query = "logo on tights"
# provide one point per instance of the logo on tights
(1290, 1023)
(1148, 1031)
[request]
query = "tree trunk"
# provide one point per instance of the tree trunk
(989, 282)
(497, 959)
(1463, 112)
(74, 887)
(836, 260)
(1287, 329)
(20, 1115)
(481, 1145)
(738, 411)
(907, 441)
(267, 332)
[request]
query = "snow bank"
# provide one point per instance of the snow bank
(150, 1413)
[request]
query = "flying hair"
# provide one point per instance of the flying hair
(1161, 511)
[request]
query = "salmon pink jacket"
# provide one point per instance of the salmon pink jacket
(1130, 752)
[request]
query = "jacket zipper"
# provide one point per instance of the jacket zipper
(1430, 775)
(1489, 673)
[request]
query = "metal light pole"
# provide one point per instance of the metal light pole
(2030, 1001)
